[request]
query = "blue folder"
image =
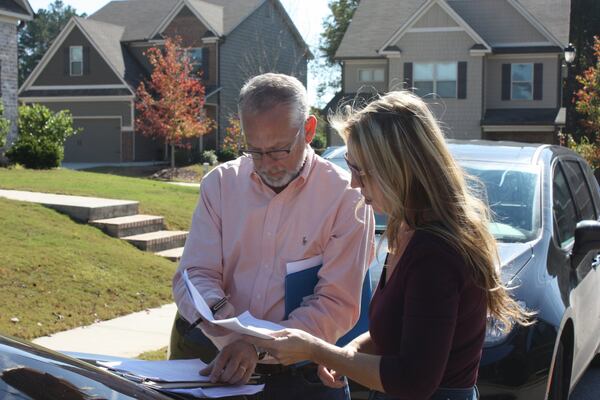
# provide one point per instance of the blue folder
(302, 283)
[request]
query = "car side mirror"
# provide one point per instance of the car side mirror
(587, 238)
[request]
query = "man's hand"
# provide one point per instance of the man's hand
(234, 364)
(331, 378)
(227, 311)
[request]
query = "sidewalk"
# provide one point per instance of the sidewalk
(126, 336)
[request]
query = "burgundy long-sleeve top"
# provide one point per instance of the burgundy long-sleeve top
(428, 321)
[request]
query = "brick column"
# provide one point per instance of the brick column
(8, 60)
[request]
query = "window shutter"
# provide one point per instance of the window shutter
(205, 64)
(506, 81)
(67, 60)
(408, 76)
(538, 81)
(462, 80)
(86, 60)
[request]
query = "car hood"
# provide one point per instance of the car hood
(513, 257)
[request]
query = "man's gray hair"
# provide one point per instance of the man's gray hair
(263, 92)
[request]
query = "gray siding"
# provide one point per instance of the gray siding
(352, 83)
(262, 43)
(95, 109)
(8, 79)
(435, 17)
(99, 71)
(493, 81)
(460, 117)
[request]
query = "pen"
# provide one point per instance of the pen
(214, 309)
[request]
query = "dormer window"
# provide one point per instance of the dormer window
(76, 60)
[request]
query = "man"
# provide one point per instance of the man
(277, 204)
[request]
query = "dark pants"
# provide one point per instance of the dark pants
(440, 394)
(290, 384)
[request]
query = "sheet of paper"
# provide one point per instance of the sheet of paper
(197, 298)
(222, 391)
(245, 323)
(297, 266)
(161, 371)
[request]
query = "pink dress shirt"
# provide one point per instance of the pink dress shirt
(243, 234)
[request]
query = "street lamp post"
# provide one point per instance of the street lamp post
(569, 55)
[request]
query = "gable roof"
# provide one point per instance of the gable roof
(376, 20)
(142, 18)
(20, 9)
(105, 38)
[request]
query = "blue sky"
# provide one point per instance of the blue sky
(308, 16)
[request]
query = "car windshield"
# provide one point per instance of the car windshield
(512, 193)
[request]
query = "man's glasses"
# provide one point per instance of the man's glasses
(278, 154)
(355, 171)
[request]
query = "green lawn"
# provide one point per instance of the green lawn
(56, 274)
(175, 203)
(154, 355)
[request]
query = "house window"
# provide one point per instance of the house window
(521, 81)
(439, 78)
(195, 58)
(76, 60)
(371, 75)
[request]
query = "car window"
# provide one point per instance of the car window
(563, 207)
(580, 189)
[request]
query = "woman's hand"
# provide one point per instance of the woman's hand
(331, 378)
(289, 346)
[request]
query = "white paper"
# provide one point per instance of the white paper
(297, 266)
(161, 371)
(245, 323)
(179, 371)
(221, 391)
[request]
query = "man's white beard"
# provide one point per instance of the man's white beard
(286, 178)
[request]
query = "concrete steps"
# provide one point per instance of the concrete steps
(171, 254)
(130, 225)
(158, 241)
(117, 218)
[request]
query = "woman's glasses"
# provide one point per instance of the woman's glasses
(355, 171)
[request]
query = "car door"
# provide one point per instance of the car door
(572, 202)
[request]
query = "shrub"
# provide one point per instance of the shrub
(319, 141)
(209, 156)
(226, 155)
(42, 136)
(4, 126)
(589, 150)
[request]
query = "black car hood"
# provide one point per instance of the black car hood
(513, 257)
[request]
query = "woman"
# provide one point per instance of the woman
(428, 314)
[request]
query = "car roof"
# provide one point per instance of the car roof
(484, 150)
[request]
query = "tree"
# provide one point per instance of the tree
(171, 104)
(334, 28)
(584, 25)
(37, 35)
(587, 99)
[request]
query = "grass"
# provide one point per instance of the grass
(56, 274)
(154, 355)
(175, 203)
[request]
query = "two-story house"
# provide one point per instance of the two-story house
(12, 13)
(95, 65)
(489, 69)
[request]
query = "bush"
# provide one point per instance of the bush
(42, 136)
(209, 156)
(319, 141)
(589, 150)
(225, 155)
(4, 126)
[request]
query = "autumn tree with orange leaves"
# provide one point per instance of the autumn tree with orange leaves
(587, 99)
(170, 105)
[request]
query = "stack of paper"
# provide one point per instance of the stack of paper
(177, 376)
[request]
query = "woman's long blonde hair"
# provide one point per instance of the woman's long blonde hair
(398, 143)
